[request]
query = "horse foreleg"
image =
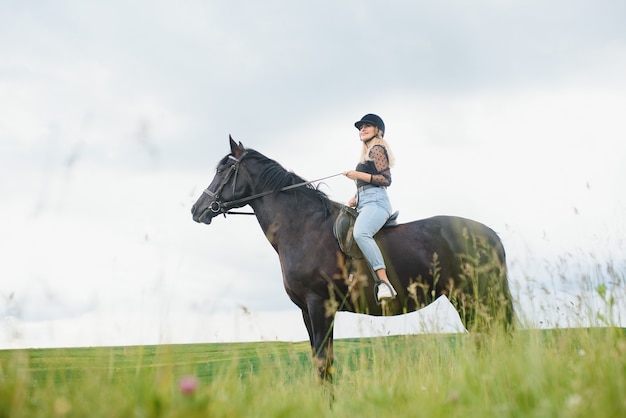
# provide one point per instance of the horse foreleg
(324, 362)
(321, 358)
(321, 335)
(309, 328)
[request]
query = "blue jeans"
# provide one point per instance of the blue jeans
(374, 209)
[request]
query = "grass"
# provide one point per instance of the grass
(560, 372)
(549, 373)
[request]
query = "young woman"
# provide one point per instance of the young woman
(372, 176)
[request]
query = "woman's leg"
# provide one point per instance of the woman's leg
(371, 218)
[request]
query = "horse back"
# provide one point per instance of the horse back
(462, 236)
(461, 251)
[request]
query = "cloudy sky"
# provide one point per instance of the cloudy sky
(114, 114)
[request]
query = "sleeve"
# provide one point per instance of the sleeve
(378, 155)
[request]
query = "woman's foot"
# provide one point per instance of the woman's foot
(386, 291)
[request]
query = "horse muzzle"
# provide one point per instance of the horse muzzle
(204, 216)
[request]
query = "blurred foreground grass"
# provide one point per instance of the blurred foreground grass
(535, 373)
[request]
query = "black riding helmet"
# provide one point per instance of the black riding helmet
(374, 120)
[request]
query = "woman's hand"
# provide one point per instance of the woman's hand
(352, 202)
(351, 174)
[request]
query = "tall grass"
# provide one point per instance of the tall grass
(567, 372)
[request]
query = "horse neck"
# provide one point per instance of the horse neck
(284, 215)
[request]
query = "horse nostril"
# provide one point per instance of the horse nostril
(193, 209)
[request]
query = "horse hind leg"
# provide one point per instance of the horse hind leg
(485, 309)
(466, 311)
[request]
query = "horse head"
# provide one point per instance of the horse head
(226, 191)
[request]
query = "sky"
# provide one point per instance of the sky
(115, 114)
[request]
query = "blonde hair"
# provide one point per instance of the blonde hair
(377, 140)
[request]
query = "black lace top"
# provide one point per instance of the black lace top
(378, 166)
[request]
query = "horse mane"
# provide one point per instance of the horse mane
(275, 177)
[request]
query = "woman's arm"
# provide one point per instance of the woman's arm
(379, 156)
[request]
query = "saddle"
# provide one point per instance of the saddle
(344, 226)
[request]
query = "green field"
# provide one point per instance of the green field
(550, 373)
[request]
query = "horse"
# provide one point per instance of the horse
(443, 255)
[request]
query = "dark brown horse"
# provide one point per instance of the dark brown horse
(443, 255)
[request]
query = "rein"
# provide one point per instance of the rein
(262, 194)
(217, 206)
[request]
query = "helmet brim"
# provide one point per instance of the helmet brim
(372, 119)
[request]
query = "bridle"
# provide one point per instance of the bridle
(218, 206)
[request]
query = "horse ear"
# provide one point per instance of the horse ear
(235, 149)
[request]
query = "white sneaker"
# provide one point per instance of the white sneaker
(386, 291)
